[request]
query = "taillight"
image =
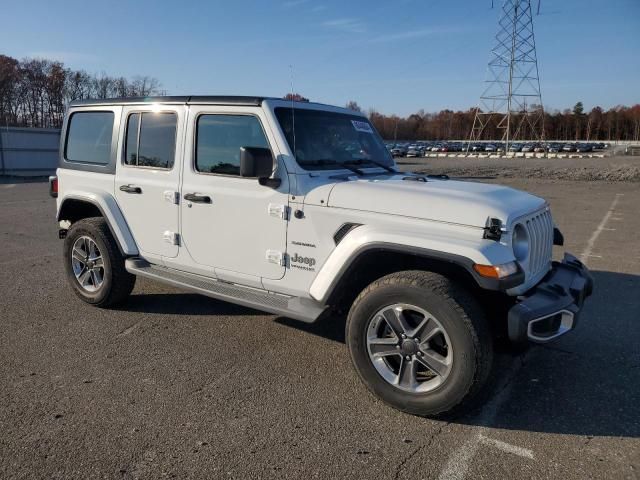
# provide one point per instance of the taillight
(53, 186)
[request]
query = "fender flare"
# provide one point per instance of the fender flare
(462, 253)
(111, 213)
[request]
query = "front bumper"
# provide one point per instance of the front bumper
(552, 307)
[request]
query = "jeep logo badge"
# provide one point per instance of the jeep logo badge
(303, 262)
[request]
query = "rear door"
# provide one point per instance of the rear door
(147, 176)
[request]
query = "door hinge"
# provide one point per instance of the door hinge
(172, 197)
(171, 238)
(278, 211)
(277, 257)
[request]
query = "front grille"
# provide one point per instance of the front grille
(540, 229)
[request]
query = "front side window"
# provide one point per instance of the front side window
(328, 140)
(219, 138)
(151, 140)
(89, 138)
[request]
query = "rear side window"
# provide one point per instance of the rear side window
(89, 138)
(219, 138)
(151, 140)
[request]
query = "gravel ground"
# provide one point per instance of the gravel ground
(611, 169)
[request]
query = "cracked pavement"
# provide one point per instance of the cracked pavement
(177, 385)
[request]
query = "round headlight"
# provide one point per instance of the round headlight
(520, 243)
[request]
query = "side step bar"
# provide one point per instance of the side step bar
(302, 309)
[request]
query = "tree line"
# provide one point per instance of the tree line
(35, 92)
(617, 123)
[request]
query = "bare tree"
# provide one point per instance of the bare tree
(78, 86)
(296, 97)
(54, 89)
(34, 80)
(353, 105)
(9, 90)
(102, 86)
(121, 87)
(143, 86)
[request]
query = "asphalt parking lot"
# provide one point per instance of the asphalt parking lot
(182, 386)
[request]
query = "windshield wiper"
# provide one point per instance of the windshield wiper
(374, 162)
(326, 162)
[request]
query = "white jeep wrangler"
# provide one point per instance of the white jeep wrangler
(298, 209)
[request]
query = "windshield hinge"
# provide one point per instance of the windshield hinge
(278, 211)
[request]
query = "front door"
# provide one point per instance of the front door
(229, 222)
(147, 177)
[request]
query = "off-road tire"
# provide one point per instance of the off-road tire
(117, 282)
(462, 318)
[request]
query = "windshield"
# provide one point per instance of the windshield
(328, 140)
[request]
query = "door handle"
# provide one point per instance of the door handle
(130, 189)
(195, 198)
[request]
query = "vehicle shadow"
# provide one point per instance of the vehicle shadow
(587, 383)
(330, 327)
(182, 304)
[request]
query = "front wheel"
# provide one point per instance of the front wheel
(94, 265)
(420, 342)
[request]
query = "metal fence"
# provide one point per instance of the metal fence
(28, 152)
(633, 149)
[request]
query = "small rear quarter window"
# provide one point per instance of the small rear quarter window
(89, 138)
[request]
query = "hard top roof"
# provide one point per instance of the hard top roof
(208, 99)
(235, 100)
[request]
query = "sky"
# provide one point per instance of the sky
(394, 56)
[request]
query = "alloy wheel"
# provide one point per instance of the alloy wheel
(87, 264)
(409, 348)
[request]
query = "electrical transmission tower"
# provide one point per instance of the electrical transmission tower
(511, 105)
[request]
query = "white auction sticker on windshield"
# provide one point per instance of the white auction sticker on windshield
(361, 126)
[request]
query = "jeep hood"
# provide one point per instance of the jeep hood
(464, 203)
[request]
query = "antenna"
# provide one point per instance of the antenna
(293, 114)
(511, 101)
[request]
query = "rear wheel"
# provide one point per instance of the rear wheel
(94, 265)
(420, 342)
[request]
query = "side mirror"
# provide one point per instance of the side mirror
(256, 162)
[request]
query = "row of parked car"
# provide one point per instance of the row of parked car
(420, 149)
